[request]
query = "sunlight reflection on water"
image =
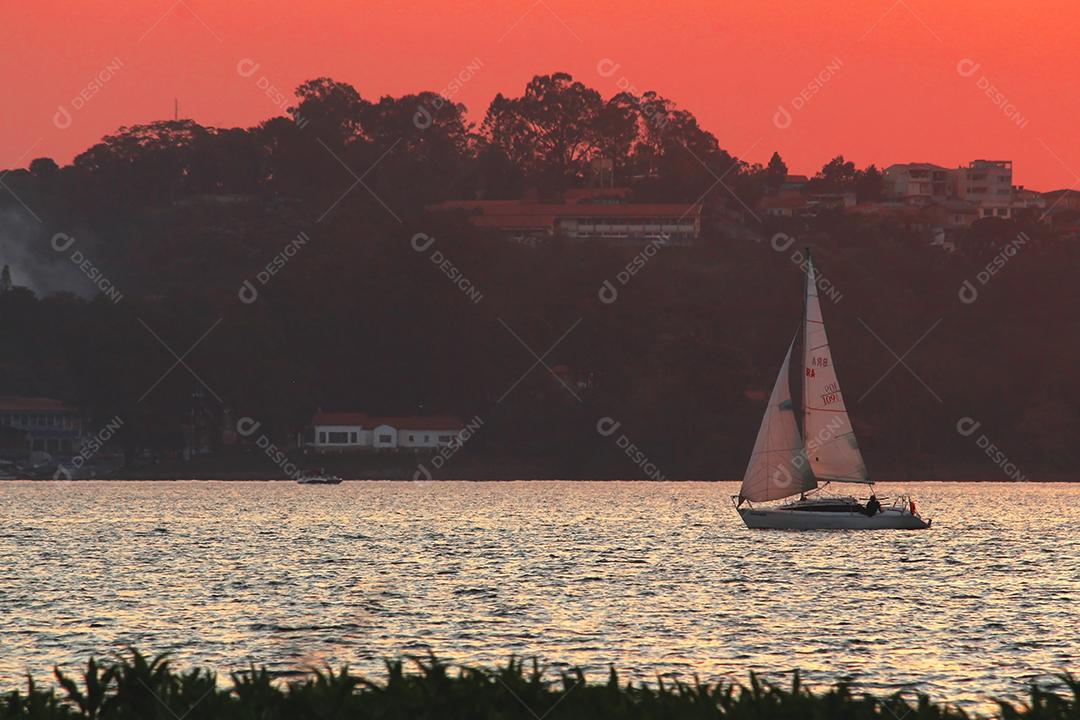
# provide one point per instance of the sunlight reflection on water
(652, 577)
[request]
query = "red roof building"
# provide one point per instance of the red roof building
(46, 424)
(354, 431)
(612, 222)
(18, 403)
(788, 204)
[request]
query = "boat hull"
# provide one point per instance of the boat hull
(781, 519)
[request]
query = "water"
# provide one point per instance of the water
(652, 577)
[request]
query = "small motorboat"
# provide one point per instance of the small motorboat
(318, 477)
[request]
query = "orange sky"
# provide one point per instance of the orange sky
(894, 93)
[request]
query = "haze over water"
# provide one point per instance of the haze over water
(652, 577)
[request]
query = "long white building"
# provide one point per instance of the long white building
(333, 432)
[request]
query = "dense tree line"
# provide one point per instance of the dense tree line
(317, 212)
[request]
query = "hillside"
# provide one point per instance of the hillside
(347, 314)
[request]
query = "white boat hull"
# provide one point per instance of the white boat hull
(782, 519)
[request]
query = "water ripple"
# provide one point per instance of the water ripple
(655, 578)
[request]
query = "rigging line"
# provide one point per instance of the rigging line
(759, 452)
(825, 443)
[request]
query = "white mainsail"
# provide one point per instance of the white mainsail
(830, 439)
(777, 467)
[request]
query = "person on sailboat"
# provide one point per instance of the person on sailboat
(873, 505)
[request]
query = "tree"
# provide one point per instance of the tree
(617, 130)
(224, 161)
(550, 131)
(497, 177)
(142, 163)
(669, 348)
(775, 173)
(869, 185)
(43, 167)
(421, 147)
(683, 160)
(986, 236)
(334, 110)
(835, 176)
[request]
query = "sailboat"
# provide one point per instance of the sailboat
(786, 463)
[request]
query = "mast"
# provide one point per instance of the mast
(805, 345)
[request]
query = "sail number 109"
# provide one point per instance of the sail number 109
(830, 394)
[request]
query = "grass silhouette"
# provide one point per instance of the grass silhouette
(139, 688)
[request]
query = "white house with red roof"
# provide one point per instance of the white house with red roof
(39, 424)
(352, 431)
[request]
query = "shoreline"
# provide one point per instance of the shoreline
(241, 465)
(136, 478)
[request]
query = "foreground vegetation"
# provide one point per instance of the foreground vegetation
(144, 689)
